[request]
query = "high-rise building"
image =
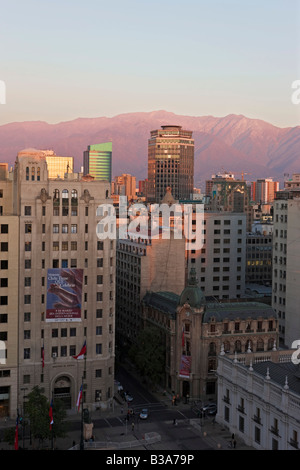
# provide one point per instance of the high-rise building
(97, 161)
(286, 259)
(57, 286)
(125, 185)
(220, 262)
(263, 190)
(170, 163)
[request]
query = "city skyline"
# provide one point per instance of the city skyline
(101, 59)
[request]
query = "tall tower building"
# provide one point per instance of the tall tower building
(263, 190)
(97, 161)
(170, 163)
(57, 286)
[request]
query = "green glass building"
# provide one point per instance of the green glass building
(97, 161)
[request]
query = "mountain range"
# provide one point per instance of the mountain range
(249, 148)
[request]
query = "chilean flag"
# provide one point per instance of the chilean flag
(82, 352)
(17, 434)
(51, 414)
(79, 398)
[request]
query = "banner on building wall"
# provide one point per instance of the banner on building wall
(185, 366)
(64, 291)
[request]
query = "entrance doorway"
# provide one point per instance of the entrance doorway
(185, 388)
(62, 391)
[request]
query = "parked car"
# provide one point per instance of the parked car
(144, 414)
(210, 409)
(128, 397)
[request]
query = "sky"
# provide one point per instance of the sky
(60, 60)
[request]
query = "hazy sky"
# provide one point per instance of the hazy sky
(66, 59)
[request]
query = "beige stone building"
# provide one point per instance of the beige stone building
(196, 331)
(64, 293)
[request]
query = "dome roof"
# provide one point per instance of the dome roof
(192, 294)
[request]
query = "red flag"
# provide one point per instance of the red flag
(51, 414)
(79, 398)
(17, 434)
(82, 352)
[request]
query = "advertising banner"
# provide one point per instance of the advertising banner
(64, 291)
(185, 366)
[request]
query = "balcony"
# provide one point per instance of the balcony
(293, 443)
(274, 430)
(257, 419)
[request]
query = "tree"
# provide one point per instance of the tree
(37, 410)
(148, 353)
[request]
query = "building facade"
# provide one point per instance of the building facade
(259, 399)
(145, 264)
(220, 263)
(170, 163)
(286, 279)
(58, 251)
(196, 330)
(97, 161)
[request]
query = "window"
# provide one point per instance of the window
(74, 228)
(64, 263)
(27, 281)
(64, 228)
(27, 353)
(98, 330)
(99, 296)
(27, 264)
(27, 246)
(27, 299)
(27, 210)
(99, 348)
(3, 300)
(64, 246)
(55, 246)
(4, 246)
(4, 264)
(55, 228)
(99, 262)
(4, 228)
(99, 279)
(73, 246)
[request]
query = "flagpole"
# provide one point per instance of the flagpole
(52, 436)
(81, 436)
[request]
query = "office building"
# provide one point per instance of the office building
(145, 264)
(286, 259)
(97, 161)
(61, 292)
(170, 163)
(124, 185)
(263, 190)
(220, 262)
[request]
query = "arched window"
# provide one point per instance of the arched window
(65, 197)
(38, 174)
(56, 197)
(227, 346)
(74, 197)
(248, 345)
(238, 346)
(270, 344)
(27, 173)
(32, 173)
